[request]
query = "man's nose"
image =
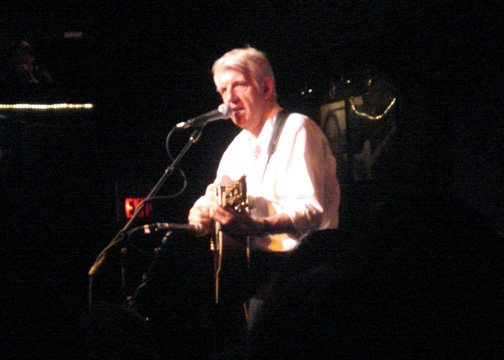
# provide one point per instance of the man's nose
(229, 96)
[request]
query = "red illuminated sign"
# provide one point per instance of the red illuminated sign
(130, 205)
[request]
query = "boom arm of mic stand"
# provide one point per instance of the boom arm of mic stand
(122, 234)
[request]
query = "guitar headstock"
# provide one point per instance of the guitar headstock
(234, 196)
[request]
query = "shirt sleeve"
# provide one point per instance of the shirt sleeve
(302, 162)
(205, 199)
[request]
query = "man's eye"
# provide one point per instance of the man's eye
(240, 86)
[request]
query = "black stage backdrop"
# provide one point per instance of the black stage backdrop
(146, 69)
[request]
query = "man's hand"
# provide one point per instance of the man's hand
(236, 224)
(201, 215)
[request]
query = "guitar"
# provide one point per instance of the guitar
(233, 196)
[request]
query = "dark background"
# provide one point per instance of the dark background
(147, 67)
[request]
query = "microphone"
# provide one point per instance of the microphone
(192, 229)
(222, 112)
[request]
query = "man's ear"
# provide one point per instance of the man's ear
(268, 86)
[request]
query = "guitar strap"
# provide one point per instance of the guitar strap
(280, 119)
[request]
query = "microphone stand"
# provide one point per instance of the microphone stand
(123, 233)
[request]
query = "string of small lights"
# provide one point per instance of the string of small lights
(62, 106)
(371, 117)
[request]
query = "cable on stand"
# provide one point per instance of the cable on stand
(124, 233)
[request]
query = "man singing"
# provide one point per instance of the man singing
(292, 187)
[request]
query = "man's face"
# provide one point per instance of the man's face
(244, 97)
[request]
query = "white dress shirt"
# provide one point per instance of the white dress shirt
(300, 179)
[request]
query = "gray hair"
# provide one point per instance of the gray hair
(249, 61)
